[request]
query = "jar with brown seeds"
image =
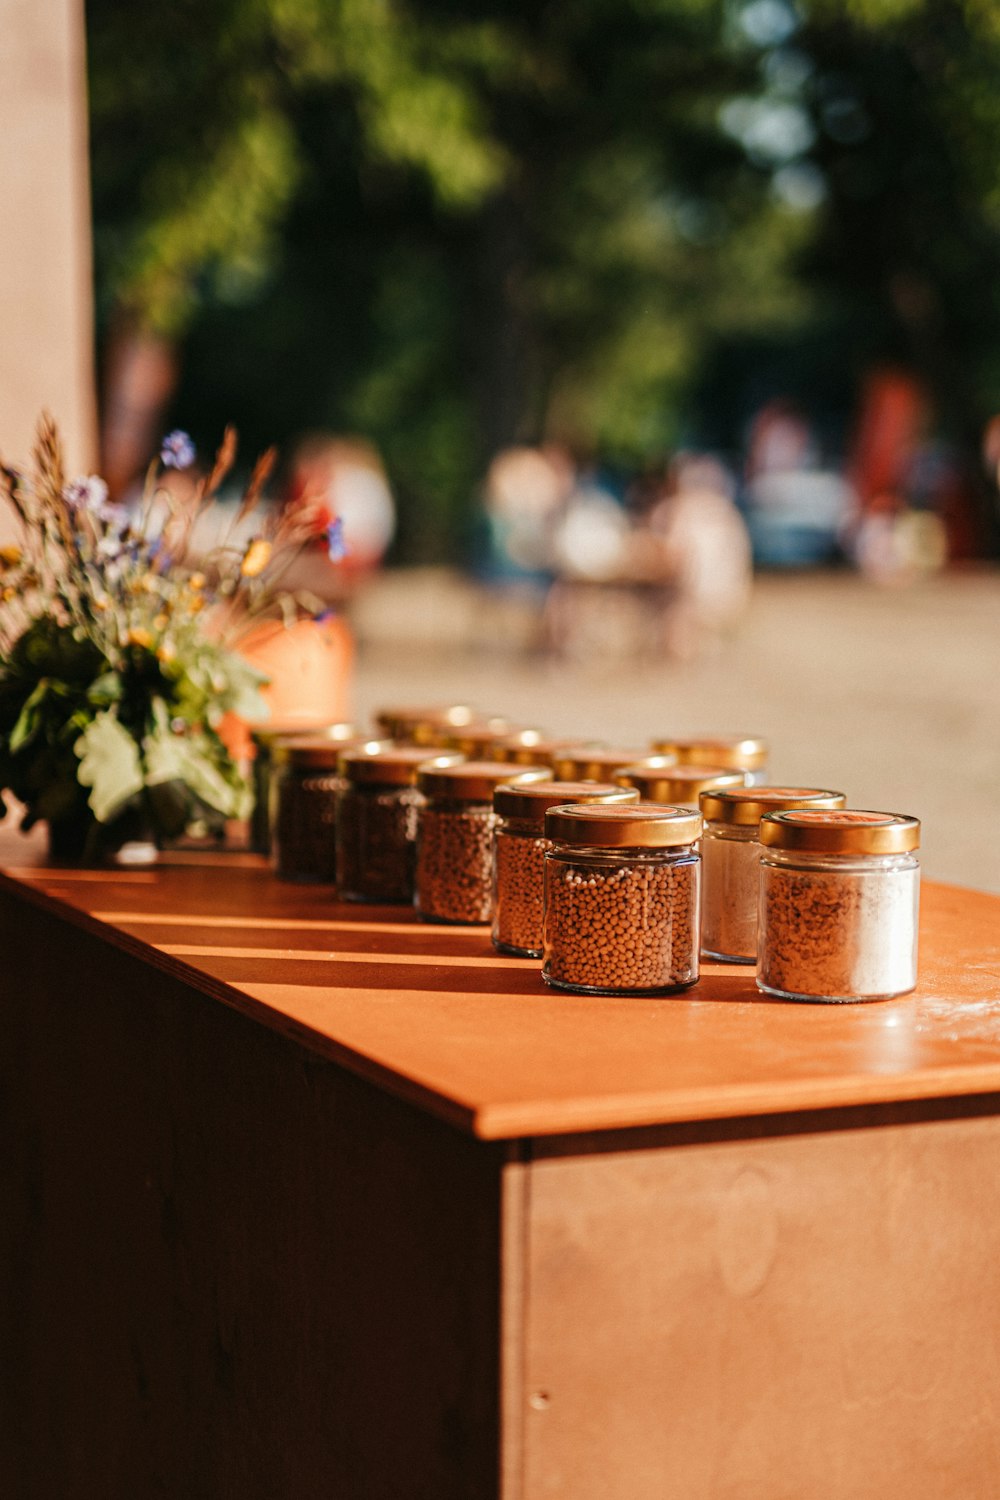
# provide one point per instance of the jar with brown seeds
(621, 899)
(519, 850)
(730, 856)
(454, 879)
(422, 725)
(267, 741)
(377, 821)
(839, 904)
(307, 790)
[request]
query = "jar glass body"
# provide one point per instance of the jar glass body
(621, 921)
(519, 849)
(454, 877)
(837, 927)
(262, 811)
(377, 842)
(303, 836)
(730, 881)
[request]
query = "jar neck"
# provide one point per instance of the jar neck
(522, 827)
(616, 855)
(801, 859)
(739, 833)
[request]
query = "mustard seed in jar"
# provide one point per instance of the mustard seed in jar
(519, 850)
(659, 779)
(621, 899)
(734, 752)
(730, 858)
(377, 821)
(454, 881)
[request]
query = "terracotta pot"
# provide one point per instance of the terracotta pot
(309, 666)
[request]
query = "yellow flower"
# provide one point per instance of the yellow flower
(256, 558)
(139, 636)
(8, 594)
(196, 581)
(10, 556)
(166, 651)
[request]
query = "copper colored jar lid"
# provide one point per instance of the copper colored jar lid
(533, 800)
(841, 832)
(643, 825)
(595, 762)
(737, 752)
(477, 740)
(418, 723)
(378, 764)
(473, 780)
(265, 736)
(660, 781)
(746, 806)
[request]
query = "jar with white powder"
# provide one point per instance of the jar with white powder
(730, 855)
(839, 900)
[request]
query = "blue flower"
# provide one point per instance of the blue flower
(335, 545)
(178, 451)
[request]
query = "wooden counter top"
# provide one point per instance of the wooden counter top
(436, 1016)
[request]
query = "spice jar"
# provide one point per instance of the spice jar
(621, 899)
(454, 881)
(422, 726)
(266, 740)
(307, 787)
(735, 752)
(519, 849)
(730, 854)
(377, 821)
(839, 897)
(660, 780)
(477, 740)
(595, 762)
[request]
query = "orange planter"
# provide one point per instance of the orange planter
(309, 667)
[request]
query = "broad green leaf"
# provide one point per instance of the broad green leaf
(177, 757)
(109, 765)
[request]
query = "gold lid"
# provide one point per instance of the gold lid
(307, 752)
(644, 825)
(594, 762)
(474, 780)
(265, 736)
(735, 752)
(415, 725)
(746, 806)
(379, 764)
(533, 800)
(659, 780)
(477, 739)
(843, 832)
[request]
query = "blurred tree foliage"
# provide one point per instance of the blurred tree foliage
(450, 224)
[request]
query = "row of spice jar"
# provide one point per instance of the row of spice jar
(365, 813)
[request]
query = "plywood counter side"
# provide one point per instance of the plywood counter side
(434, 1015)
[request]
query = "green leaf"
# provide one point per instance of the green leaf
(179, 757)
(27, 722)
(109, 765)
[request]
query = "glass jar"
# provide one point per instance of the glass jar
(422, 726)
(734, 752)
(454, 881)
(519, 849)
(730, 856)
(377, 821)
(267, 740)
(839, 901)
(621, 899)
(594, 762)
(307, 786)
(659, 779)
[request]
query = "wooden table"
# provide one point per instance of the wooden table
(302, 1200)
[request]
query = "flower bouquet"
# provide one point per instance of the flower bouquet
(117, 645)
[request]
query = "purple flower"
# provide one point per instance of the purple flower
(178, 451)
(335, 545)
(87, 492)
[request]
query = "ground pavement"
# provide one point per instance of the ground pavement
(891, 695)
